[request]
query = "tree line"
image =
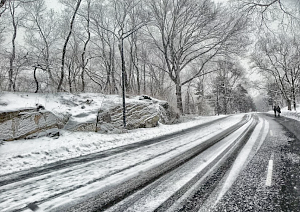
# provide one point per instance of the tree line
(276, 52)
(186, 51)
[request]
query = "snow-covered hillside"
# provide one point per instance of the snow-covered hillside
(62, 103)
(22, 154)
(27, 115)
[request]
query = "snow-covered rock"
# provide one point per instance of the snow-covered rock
(27, 115)
(167, 113)
(138, 115)
(22, 123)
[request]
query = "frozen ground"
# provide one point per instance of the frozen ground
(71, 184)
(293, 114)
(23, 154)
(63, 103)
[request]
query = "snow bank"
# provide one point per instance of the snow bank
(23, 154)
(83, 112)
(293, 114)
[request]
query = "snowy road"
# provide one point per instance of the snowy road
(194, 170)
(66, 185)
(271, 181)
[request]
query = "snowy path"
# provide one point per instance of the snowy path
(72, 183)
(22, 155)
(158, 193)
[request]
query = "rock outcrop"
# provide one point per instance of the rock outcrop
(26, 122)
(37, 122)
(138, 115)
(145, 113)
(167, 113)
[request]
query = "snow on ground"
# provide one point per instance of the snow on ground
(23, 154)
(71, 184)
(182, 176)
(84, 181)
(293, 114)
(61, 103)
(243, 158)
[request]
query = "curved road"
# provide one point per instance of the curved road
(251, 164)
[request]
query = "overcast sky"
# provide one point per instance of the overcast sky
(54, 3)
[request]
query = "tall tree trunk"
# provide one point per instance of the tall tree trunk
(62, 71)
(85, 48)
(136, 65)
(13, 54)
(36, 81)
(294, 93)
(289, 104)
(113, 79)
(179, 96)
(82, 80)
(144, 72)
(70, 77)
(121, 48)
(187, 103)
(138, 81)
(108, 87)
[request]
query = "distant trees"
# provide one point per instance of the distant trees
(15, 17)
(274, 94)
(156, 47)
(64, 49)
(190, 32)
(41, 37)
(228, 94)
(278, 57)
(277, 50)
(242, 101)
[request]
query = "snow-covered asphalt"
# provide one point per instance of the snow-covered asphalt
(72, 183)
(253, 168)
(269, 181)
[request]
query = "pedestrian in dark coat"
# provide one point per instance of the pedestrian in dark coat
(278, 110)
(275, 109)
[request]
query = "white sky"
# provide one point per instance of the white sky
(52, 4)
(220, 1)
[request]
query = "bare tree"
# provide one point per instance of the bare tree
(281, 62)
(228, 76)
(104, 44)
(123, 29)
(265, 6)
(190, 32)
(41, 36)
(84, 61)
(2, 6)
(62, 72)
(286, 12)
(16, 18)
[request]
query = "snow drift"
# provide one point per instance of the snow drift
(27, 115)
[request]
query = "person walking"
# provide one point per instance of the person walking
(278, 110)
(275, 109)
